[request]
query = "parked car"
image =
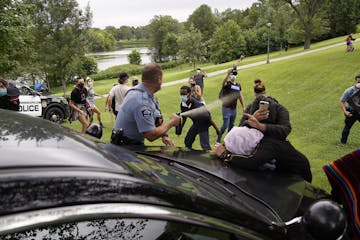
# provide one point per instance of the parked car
(34, 103)
(57, 184)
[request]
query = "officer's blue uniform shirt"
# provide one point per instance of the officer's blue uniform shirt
(137, 113)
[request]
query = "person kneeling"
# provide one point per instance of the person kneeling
(247, 148)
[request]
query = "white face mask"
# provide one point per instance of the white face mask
(357, 85)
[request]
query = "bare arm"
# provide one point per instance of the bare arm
(343, 108)
(162, 129)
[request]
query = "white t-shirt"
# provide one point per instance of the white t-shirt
(242, 140)
(118, 92)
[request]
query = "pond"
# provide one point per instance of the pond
(119, 57)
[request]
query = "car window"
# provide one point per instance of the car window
(135, 228)
(25, 91)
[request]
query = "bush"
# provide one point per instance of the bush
(113, 72)
(134, 57)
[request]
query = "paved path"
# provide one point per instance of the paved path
(256, 64)
(259, 63)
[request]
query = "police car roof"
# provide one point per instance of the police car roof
(33, 142)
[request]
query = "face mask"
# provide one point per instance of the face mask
(232, 78)
(80, 85)
(198, 71)
(357, 85)
(3, 92)
(192, 84)
(184, 98)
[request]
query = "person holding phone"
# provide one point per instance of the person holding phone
(266, 114)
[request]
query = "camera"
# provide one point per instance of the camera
(234, 70)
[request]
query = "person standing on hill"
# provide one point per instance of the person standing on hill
(118, 92)
(350, 106)
(199, 78)
(230, 94)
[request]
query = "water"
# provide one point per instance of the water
(119, 57)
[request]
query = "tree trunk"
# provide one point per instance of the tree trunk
(307, 42)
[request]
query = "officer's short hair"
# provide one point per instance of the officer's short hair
(151, 72)
(357, 77)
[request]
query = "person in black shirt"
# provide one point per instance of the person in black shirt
(201, 117)
(79, 104)
(230, 94)
(9, 96)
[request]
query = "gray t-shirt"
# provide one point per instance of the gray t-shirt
(137, 114)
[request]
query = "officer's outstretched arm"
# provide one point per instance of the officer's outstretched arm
(162, 129)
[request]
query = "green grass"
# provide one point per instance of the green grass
(308, 86)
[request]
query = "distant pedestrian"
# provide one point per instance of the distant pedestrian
(196, 90)
(231, 92)
(200, 116)
(349, 44)
(134, 82)
(350, 105)
(199, 78)
(118, 92)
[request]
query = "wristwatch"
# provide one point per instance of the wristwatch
(226, 156)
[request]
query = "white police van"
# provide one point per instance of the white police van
(33, 103)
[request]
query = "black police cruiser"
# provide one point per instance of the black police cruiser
(58, 184)
(33, 103)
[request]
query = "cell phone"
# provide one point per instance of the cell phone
(264, 105)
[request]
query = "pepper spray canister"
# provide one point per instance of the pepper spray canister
(178, 128)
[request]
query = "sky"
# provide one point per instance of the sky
(140, 12)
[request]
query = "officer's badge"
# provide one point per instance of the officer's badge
(146, 113)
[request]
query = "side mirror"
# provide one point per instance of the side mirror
(325, 220)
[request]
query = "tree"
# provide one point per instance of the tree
(307, 11)
(15, 37)
(203, 19)
(171, 46)
(159, 28)
(134, 57)
(191, 46)
(59, 28)
(227, 42)
(100, 40)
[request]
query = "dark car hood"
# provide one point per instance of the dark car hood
(282, 193)
(38, 139)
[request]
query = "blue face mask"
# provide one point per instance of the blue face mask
(3, 92)
(184, 98)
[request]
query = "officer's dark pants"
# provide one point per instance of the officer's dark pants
(204, 138)
(288, 159)
(349, 122)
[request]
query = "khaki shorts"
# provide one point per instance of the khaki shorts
(75, 114)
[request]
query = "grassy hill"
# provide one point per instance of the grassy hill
(308, 86)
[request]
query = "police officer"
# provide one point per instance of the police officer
(350, 106)
(139, 116)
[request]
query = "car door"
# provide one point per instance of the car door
(30, 102)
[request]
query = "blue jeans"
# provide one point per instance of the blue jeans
(229, 116)
(204, 138)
